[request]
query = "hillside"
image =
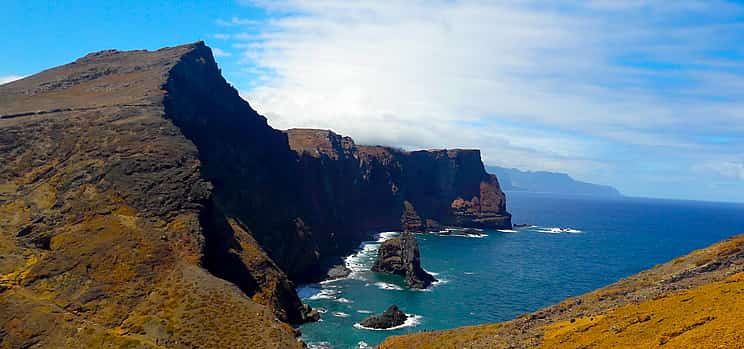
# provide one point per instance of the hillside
(143, 203)
(692, 301)
(513, 179)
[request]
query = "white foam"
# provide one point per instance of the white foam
(387, 235)
(412, 321)
(340, 314)
(387, 286)
(469, 273)
(362, 345)
(506, 230)
(319, 345)
(325, 294)
(557, 230)
(364, 311)
(321, 310)
(344, 300)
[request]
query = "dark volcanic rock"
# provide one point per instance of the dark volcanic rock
(348, 190)
(400, 256)
(140, 193)
(337, 272)
(390, 318)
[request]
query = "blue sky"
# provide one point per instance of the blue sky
(647, 96)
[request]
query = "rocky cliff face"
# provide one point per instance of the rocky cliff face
(144, 203)
(112, 229)
(371, 188)
(401, 256)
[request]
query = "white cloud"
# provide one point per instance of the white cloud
(8, 78)
(559, 86)
(220, 53)
(236, 21)
(731, 169)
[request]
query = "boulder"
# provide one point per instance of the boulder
(390, 318)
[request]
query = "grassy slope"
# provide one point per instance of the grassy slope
(694, 300)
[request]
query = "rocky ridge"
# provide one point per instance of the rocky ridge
(143, 203)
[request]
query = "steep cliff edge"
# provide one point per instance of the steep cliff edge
(692, 301)
(144, 203)
(377, 188)
(111, 233)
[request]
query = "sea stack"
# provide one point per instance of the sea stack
(390, 318)
(400, 256)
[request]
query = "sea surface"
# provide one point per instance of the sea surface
(496, 276)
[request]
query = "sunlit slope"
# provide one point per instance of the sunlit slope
(693, 301)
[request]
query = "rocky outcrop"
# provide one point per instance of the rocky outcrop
(143, 202)
(116, 224)
(392, 317)
(694, 301)
(349, 190)
(400, 256)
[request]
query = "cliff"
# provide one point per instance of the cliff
(117, 226)
(143, 203)
(692, 301)
(382, 188)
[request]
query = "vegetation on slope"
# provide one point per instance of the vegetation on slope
(693, 301)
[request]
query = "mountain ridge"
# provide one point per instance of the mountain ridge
(144, 203)
(513, 179)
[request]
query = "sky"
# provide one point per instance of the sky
(646, 96)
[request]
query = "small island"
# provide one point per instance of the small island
(400, 256)
(392, 317)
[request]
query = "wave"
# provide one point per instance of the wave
(412, 321)
(340, 314)
(319, 345)
(324, 293)
(558, 230)
(344, 300)
(362, 311)
(362, 345)
(387, 286)
(506, 230)
(321, 310)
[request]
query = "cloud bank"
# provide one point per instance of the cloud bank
(600, 89)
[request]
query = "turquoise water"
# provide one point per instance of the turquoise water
(498, 276)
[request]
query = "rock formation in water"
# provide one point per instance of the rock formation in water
(400, 256)
(390, 318)
(694, 301)
(144, 203)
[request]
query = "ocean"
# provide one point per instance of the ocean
(496, 276)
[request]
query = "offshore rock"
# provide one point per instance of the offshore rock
(400, 256)
(390, 318)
